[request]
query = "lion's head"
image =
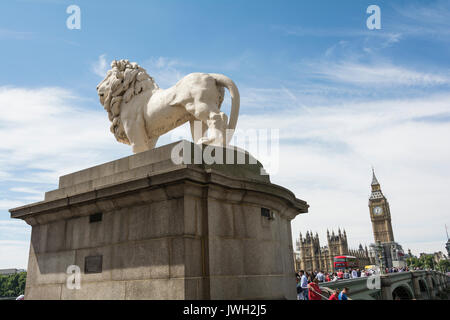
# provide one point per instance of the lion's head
(124, 81)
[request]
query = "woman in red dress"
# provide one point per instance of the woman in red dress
(314, 291)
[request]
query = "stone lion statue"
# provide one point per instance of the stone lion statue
(140, 111)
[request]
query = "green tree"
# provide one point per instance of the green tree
(443, 265)
(13, 285)
(414, 262)
(427, 261)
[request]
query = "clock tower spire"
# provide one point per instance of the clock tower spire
(380, 214)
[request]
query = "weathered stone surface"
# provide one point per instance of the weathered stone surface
(44, 292)
(189, 232)
(159, 289)
(104, 290)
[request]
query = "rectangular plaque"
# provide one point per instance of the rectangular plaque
(93, 264)
(96, 217)
(265, 212)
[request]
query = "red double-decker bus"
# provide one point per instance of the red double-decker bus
(345, 262)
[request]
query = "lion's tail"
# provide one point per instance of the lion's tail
(235, 101)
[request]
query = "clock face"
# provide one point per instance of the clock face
(377, 211)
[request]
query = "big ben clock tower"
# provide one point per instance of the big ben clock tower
(380, 214)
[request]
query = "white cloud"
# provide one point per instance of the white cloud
(45, 134)
(14, 229)
(49, 134)
(13, 34)
(14, 254)
(326, 155)
(427, 20)
(26, 190)
(7, 204)
(166, 71)
(100, 67)
(384, 75)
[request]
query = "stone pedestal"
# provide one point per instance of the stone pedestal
(143, 227)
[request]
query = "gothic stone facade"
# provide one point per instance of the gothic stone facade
(311, 256)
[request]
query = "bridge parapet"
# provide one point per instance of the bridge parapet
(418, 284)
(365, 288)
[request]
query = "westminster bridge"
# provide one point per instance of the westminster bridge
(419, 285)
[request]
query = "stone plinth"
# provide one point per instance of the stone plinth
(142, 227)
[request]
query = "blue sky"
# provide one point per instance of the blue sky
(343, 97)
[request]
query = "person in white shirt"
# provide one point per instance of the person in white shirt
(320, 276)
(335, 277)
(346, 274)
(354, 274)
(304, 285)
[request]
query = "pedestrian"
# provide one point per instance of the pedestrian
(304, 285)
(354, 274)
(327, 277)
(340, 274)
(334, 277)
(314, 291)
(335, 295)
(346, 274)
(314, 274)
(320, 276)
(343, 294)
(299, 288)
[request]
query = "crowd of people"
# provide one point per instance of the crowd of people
(404, 269)
(308, 282)
(308, 286)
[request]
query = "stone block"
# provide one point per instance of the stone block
(186, 259)
(221, 218)
(167, 232)
(78, 233)
(39, 238)
(44, 292)
(104, 290)
(252, 288)
(147, 259)
(120, 225)
(106, 253)
(226, 256)
(262, 257)
(158, 289)
(51, 267)
(192, 215)
(159, 219)
(56, 236)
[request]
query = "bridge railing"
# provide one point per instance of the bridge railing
(358, 287)
(381, 286)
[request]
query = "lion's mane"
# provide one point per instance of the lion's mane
(126, 80)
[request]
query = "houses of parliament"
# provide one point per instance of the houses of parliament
(310, 255)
